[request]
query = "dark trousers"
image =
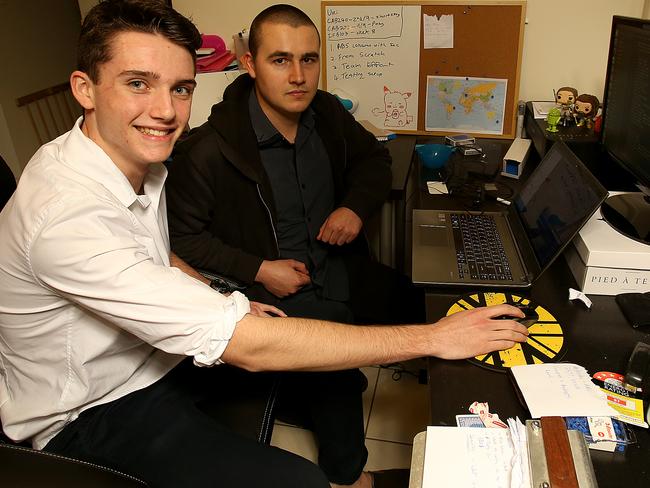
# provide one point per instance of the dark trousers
(327, 403)
(159, 435)
(381, 295)
(330, 403)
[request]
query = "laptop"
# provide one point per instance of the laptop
(508, 249)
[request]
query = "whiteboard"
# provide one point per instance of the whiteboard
(372, 57)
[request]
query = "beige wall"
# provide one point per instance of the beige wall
(37, 49)
(565, 41)
(37, 39)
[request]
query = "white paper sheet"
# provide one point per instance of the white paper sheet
(438, 32)
(466, 457)
(560, 389)
(520, 475)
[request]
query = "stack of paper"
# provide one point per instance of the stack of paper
(469, 457)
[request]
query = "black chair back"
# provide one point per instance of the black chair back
(7, 183)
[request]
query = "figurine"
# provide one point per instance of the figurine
(566, 97)
(585, 109)
(552, 119)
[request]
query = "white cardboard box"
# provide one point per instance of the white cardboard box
(515, 158)
(605, 262)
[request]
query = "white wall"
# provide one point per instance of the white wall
(565, 41)
(569, 51)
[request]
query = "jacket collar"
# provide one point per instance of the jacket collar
(231, 121)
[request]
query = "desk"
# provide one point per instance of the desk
(598, 339)
(393, 214)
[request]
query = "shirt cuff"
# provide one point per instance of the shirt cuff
(234, 309)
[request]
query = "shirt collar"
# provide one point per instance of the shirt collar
(86, 157)
(265, 131)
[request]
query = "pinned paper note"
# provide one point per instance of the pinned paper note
(438, 31)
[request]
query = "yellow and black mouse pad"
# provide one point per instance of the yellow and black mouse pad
(545, 344)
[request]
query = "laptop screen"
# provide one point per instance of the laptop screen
(556, 201)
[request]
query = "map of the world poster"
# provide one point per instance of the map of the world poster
(465, 104)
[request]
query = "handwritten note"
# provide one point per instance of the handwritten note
(438, 31)
(561, 389)
(373, 54)
(467, 457)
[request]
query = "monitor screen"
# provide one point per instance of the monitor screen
(626, 113)
(556, 201)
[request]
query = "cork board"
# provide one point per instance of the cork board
(383, 57)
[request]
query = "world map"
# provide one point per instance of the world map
(462, 104)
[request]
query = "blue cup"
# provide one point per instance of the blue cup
(434, 156)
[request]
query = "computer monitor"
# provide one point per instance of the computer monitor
(626, 123)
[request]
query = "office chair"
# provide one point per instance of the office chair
(7, 183)
(248, 409)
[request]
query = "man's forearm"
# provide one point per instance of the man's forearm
(306, 344)
(294, 344)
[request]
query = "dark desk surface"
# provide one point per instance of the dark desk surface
(598, 339)
(401, 151)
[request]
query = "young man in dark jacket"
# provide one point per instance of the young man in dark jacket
(273, 191)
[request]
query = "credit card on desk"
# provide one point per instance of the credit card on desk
(469, 421)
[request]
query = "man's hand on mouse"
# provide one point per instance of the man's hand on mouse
(509, 312)
(473, 332)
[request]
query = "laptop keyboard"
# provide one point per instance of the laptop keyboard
(479, 250)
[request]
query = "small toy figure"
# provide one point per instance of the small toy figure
(552, 119)
(585, 109)
(566, 97)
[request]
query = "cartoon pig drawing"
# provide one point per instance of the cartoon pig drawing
(395, 104)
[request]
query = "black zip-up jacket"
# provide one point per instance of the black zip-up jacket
(220, 203)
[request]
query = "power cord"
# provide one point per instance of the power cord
(398, 369)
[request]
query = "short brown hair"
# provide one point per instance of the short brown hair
(277, 14)
(111, 17)
(568, 89)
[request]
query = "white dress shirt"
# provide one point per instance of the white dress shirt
(89, 308)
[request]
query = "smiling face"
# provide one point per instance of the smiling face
(141, 102)
(286, 69)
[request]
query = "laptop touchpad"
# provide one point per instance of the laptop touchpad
(433, 235)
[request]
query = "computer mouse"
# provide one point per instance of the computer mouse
(530, 315)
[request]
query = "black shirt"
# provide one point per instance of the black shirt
(303, 192)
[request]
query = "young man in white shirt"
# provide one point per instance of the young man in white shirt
(94, 322)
